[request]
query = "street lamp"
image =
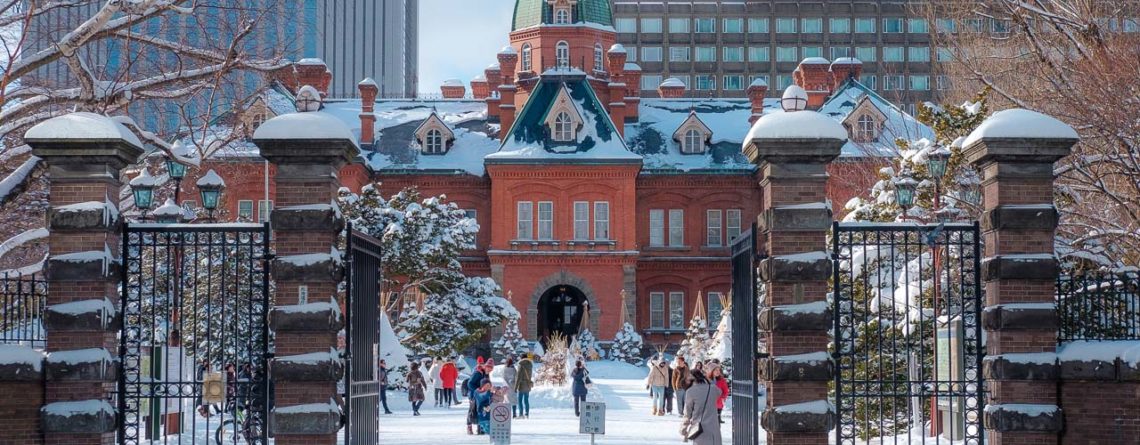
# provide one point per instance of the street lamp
(142, 186)
(168, 213)
(905, 187)
(210, 186)
(794, 99)
(936, 162)
(175, 168)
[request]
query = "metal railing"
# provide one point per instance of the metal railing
(22, 303)
(1099, 306)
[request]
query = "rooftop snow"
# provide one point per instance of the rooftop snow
(310, 125)
(83, 126)
(797, 125)
(1019, 123)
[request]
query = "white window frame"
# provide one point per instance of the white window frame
(527, 59)
(657, 227)
(714, 298)
(697, 22)
(245, 209)
(599, 58)
(679, 26)
(602, 220)
(714, 228)
(839, 25)
(264, 208)
(865, 129)
(433, 142)
(816, 25)
(733, 54)
(732, 224)
(562, 16)
(563, 127)
(758, 25)
(732, 82)
(676, 310)
(626, 25)
(737, 21)
(546, 220)
(562, 54)
(705, 54)
(676, 227)
(759, 54)
(652, 54)
(525, 218)
(657, 310)
(693, 142)
(680, 54)
(651, 25)
(581, 220)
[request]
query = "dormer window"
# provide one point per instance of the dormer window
(562, 15)
(563, 127)
(562, 54)
(867, 129)
(693, 135)
(865, 123)
(434, 136)
(433, 143)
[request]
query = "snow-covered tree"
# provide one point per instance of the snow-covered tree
(695, 346)
(553, 371)
(627, 345)
(720, 347)
(511, 343)
(421, 240)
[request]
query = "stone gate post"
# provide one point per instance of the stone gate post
(792, 151)
(85, 154)
(1020, 270)
(309, 149)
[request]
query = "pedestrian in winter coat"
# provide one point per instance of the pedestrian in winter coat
(669, 390)
(700, 409)
(523, 383)
(483, 398)
(716, 377)
(658, 379)
(581, 376)
(416, 386)
(436, 384)
(682, 380)
(472, 388)
(510, 376)
(383, 378)
(448, 374)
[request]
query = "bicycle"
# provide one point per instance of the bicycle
(243, 428)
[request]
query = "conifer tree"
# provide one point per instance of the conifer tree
(695, 347)
(553, 370)
(511, 343)
(627, 342)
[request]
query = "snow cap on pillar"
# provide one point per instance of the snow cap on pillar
(309, 135)
(796, 135)
(1019, 135)
(84, 139)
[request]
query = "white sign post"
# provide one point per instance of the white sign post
(500, 424)
(593, 419)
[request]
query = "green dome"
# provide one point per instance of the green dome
(536, 12)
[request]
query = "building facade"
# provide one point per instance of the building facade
(584, 192)
(719, 47)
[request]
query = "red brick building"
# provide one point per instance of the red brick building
(582, 189)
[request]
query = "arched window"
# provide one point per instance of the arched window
(562, 16)
(562, 54)
(433, 143)
(866, 129)
(563, 127)
(526, 66)
(694, 142)
(599, 58)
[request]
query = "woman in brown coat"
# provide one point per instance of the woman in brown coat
(416, 386)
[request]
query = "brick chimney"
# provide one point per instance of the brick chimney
(814, 76)
(845, 68)
(618, 107)
(313, 72)
(368, 92)
(671, 88)
(494, 79)
(616, 58)
(508, 59)
(756, 93)
(480, 89)
(632, 77)
(453, 89)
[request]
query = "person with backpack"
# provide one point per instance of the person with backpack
(523, 384)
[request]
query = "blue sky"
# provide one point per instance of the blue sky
(459, 38)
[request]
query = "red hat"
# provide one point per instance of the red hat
(479, 360)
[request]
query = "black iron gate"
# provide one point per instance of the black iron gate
(745, 403)
(194, 299)
(908, 339)
(362, 339)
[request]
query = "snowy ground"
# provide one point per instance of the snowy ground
(620, 386)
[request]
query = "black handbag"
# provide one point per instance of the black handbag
(694, 433)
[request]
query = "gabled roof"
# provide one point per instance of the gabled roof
(597, 141)
(691, 120)
(434, 118)
(898, 124)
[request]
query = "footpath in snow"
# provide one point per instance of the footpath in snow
(552, 421)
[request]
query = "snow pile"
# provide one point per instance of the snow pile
(1108, 351)
(813, 407)
(310, 259)
(82, 126)
(1020, 123)
(23, 238)
(310, 408)
(1028, 409)
(394, 354)
(304, 126)
(21, 355)
(797, 125)
(312, 358)
(79, 408)
(17, 177)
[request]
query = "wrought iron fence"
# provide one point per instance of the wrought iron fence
(1099, 306)
(22, 300)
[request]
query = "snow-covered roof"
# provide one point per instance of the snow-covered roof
(310, 125)
(1020, 123)
(898, 124)
(617, 48)
(83, 126)
(453, 83)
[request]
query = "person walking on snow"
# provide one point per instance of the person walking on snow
(510, 376)
(416, 386)
(700, 412)
(658, 378)
(581, 377)
(523, 383)
(436, 384)
(682, 380)
(448, 374)
(471, 388)
(716, 377)
(383, 379)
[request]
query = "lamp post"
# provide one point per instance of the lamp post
(794, 99)
(210, 187)
(905, 187)
(142, 187)
(177, 172)
(936, 164)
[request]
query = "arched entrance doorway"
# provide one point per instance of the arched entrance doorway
(560, 310)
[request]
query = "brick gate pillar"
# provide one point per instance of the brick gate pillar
(309, 149)
(85, 154)
(792, 151)
(1020, 271)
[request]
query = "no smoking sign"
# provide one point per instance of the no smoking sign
(500, 424)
